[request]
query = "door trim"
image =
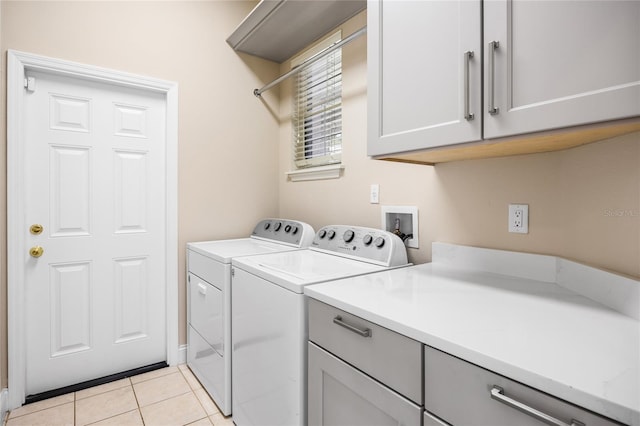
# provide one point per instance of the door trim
(18, 63)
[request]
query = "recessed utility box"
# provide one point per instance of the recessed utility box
(403, 221)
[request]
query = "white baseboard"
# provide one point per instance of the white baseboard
(182, 354)
(4, 404)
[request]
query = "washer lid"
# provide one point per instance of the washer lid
(295, 269)
(224, 250)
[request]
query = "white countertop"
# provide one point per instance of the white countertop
(524, 327)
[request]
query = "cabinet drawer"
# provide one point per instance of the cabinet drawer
(451, 383)
(389, 357)
(208, 269)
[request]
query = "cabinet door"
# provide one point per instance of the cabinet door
(560, 63)
(341, 395)
(416, 74)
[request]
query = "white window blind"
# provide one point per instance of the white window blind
(317, 113)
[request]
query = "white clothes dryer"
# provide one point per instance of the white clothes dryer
(209, 298)
(269, 316)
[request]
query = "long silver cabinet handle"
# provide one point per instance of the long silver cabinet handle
(493, 46)
(467, 58)
(364, 333)
(497, 393)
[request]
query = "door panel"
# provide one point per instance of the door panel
(95, 180)
(70, 190)
(69, 113)
(130, 172)
(131, 302)
(70, 308)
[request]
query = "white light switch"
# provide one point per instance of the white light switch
(374, 195)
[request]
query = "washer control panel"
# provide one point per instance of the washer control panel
(366, 244)
(293, 232)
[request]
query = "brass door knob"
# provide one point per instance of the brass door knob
(36, 251)
(36, 229)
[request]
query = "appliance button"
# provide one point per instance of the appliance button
(348, 236)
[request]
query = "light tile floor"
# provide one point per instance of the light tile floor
(170, 396)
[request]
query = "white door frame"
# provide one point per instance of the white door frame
(18, 63)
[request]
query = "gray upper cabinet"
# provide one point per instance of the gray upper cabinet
(417, 74)
(535, 66)
(560, 63)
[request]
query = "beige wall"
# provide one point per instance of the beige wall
(227, 162)
(584, 203)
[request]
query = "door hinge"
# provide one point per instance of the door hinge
(188, 278)
(30, 84)
(233, 272)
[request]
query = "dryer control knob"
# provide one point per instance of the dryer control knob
(277, 226)
(294, 230)
(322, 233)
(367, 239)
(267, 225)
(287, 228)
(348, 236)
(379, 242)
(331, 234)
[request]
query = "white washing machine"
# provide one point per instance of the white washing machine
(269, 325)
(209, 298)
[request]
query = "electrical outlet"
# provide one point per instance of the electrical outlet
(519, 218)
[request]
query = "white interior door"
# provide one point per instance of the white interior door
(95, 180)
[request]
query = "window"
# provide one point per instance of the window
(317, 109)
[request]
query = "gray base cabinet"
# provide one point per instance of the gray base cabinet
(490, 399)
(360, 373)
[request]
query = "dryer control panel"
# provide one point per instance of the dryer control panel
(292, 232)
(365, 244)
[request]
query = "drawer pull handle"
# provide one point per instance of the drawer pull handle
(497, 393)
(364, 333)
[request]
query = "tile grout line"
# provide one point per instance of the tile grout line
(206, 415)
(135, 395)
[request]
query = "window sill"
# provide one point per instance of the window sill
(333, 171)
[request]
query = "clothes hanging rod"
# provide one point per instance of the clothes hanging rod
(314, 58)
